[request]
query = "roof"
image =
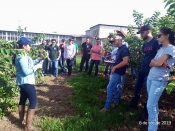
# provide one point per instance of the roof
(75, 35)
(111, 25)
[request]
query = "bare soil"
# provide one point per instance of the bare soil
(53, 100)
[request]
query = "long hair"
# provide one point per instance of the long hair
(170, 32)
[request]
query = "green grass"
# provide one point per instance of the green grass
(88, 100)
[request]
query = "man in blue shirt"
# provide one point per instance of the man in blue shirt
(149, 48)
(118, 70)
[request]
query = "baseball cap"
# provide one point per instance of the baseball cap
(144, 28)
(63, 40)
(121, 33)
(24, 40)
(71, 39)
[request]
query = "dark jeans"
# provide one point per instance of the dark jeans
(61, 62)
(141, 79)
(45, 65)
(69, 66)
(108, 67)
(74, 61)
(85, 58)
(28, 92)
(96, 62)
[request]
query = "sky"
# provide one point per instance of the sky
(72, 16)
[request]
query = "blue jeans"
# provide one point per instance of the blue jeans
(114, 85)
(141, 79)
(96, 62)
(154, 90)
(108, 67)
(45, 65)
(54, 67)
(61, 62)
(27, 91)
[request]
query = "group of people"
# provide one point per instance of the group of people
(57, 54)
(159, 59)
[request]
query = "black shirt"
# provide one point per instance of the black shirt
(86, 47)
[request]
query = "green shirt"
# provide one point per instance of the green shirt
(76, 46)
(53, 52)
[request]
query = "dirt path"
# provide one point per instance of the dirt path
(53, 100)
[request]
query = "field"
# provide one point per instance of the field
(73, 104)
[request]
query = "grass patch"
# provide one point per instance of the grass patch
(89, 98)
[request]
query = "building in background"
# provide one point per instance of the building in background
(101, 30)
(13, 35)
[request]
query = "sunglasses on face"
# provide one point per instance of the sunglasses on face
(159, 35)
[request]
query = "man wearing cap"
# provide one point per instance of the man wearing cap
(61, 60)
(149, 49)
(53, 57)
(118, 70)
(69, 53)
(85, 49)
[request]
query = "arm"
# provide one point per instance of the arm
(73, 52)
(82, 48)
(160, 61)
(24, 66)
(121, 64)
(65, 52)
(59, 54)
(36, 61)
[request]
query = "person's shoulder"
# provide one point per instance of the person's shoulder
(172, 47)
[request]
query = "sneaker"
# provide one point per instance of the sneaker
(104, 110)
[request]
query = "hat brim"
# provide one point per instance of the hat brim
(120, 32)
(30, 43)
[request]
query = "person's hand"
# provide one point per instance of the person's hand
(39, 65)
(57, 59)
(40, 58)
(165, 65)
(113, 70)
(48, 59)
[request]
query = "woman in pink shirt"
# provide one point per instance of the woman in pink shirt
(96, 51)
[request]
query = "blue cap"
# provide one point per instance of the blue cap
(24, 40)
(71, 39)
(63, 40)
